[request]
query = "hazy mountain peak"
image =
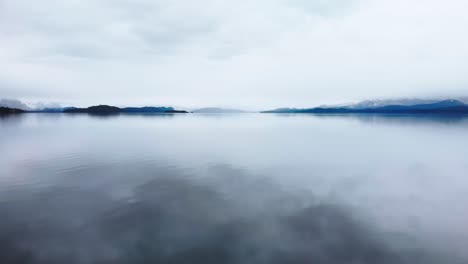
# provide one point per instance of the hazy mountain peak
(387, 106)
(217, 110)
(384, 102)
(13, 103)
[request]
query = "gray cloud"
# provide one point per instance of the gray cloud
(240, 54)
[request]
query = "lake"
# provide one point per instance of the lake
(233, 188)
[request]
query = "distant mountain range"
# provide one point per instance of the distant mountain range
(107, 109)
(216, 110)
(384, 102)
(404, 106)
(8, 110)
(450, 106)
(14, 104)
(99, 109)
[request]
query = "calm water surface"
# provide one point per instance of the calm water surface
(245, 188)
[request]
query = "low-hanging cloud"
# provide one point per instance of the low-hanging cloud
(12, 103)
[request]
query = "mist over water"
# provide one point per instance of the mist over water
(245, 188)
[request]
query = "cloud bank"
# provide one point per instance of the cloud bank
(241, 54)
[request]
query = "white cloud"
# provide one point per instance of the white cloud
(232, 53)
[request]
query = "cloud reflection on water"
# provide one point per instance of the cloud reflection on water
(169, 216)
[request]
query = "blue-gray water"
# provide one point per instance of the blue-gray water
(245, 188)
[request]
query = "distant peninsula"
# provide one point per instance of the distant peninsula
(450, 106)
(107, 109)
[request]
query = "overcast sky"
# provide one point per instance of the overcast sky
(245, 53)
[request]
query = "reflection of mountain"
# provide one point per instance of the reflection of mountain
(440, 107)
(216, 110)
(428, 120)
(7, 110)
